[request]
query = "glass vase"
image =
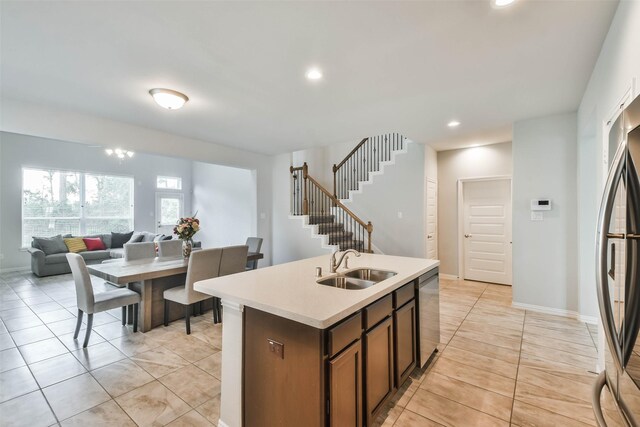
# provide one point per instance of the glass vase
(187, 246)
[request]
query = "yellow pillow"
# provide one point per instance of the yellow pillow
(75, 244)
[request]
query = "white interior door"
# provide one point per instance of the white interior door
(432, 219)
(487, 230)
(169, 209)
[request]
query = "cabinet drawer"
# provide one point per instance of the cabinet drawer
(403, 295)
(344, 334)
(377, 311)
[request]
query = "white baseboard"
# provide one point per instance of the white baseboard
(557, 311)
(222, 423)
(15, 269)
(593, 320)
(448, 276)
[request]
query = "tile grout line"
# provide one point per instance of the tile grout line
(515, 385)
(460, 403)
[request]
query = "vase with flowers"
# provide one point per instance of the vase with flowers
(185, 229)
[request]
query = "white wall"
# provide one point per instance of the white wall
(400, 190)
(613, 76)
(225, 199)
(453, 165)
(430, 162)
(56, 123)
(545, 255)
(20, 151)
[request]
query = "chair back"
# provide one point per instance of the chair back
(143, 250)
(84, 290)
(203, 264)
(254, 244)
(170, 248)
(234, 259)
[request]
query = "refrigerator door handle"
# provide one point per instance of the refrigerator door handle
(604, 219)
(595, 399)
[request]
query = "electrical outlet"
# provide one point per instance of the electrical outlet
(537, 216)
(399, 215)
(276, 348)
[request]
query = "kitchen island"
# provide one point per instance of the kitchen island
(288, 341)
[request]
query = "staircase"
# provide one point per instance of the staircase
(328, 225)
(325, 210)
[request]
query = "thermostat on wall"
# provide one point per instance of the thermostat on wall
(540, 204)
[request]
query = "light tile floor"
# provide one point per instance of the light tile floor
(497, 365)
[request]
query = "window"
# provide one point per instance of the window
(169, 183)
(65, 202)
(169, 209)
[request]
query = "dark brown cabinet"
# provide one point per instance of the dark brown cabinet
(345, 387)
(405, 341)
(379, 382)
(340, 376)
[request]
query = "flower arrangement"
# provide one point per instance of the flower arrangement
(187, 227)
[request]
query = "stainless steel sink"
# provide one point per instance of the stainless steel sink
(343, 282)
(370, 274)
(360, 278)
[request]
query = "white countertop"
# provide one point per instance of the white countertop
(290, 290)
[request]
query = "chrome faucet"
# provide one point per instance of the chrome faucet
(333, 265)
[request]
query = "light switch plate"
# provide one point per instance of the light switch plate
(276, 348)
(537, 216)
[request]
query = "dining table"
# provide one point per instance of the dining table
(150, 278)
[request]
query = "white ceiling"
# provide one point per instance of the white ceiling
(389, 66)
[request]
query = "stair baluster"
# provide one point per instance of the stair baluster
(342, 226)
(363, 159)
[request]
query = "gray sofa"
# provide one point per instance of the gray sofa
(49, 265)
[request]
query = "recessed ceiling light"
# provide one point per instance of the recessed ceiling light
(169, 99)
(502, 3)
(314, 74)
(453, 124)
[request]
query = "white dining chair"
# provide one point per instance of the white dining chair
(91, 303)
(170, 248)
(203, 264)
(142, 250)
(234, 260)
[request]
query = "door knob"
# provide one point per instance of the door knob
(429, 236)
(467, 235)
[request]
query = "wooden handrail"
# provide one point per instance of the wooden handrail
(365, 158)
(336, 202)
(339, 165)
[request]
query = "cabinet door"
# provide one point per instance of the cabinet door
(345, 383)
(379, 384)
(405, 341)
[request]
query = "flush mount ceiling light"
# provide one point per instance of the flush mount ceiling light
(314, 74)
(501, 3)
(169, 99)
(119, 153)
(453, 124)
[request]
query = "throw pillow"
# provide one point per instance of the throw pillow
(50, 245)
(75, 244)
(167, 237)
(136, 237)
(158, 237)
(119, 239)
(94, 243)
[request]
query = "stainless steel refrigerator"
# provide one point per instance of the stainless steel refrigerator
(616, 397)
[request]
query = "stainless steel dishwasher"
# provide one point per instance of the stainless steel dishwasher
(428, 295)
